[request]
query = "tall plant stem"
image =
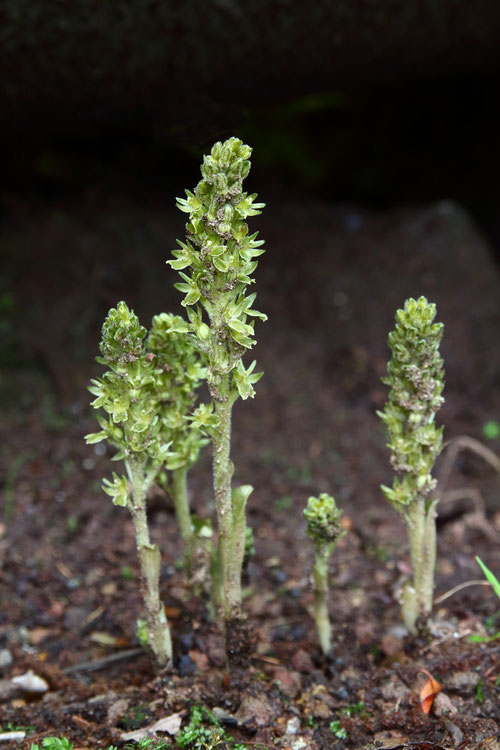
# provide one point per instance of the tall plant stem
(149, 560)
(421, 517)
(321, 616)
(183, 514)
(222, 473)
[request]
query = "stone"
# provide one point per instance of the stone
(255, 710)
(29, 682)
(442, 706)
(5, 658)
(301, 661)
(293, 726)
(117, 711)
(463, 682)
(289, 682)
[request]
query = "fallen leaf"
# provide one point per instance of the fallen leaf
(37, 635)
(170, 724)
(63, 569)
(428, 692)
(173, 613)
(80, 721)
(18, 703)
(108, 589)
(106, 639)
(93, 616)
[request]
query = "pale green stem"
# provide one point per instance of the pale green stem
(223, 471)
(216, 592)
(321, 616)
(183, 514)
(219, 356)
(149, 560)
(422, 533)
(239, 497)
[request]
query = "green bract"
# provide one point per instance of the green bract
(178, 373)
(416, 381)
(216, 264)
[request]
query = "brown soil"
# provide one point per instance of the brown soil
(330, 283)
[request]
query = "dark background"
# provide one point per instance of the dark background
(375, 102)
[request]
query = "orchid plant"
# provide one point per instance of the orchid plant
(216, 263)
(416, 381)
(144, 396)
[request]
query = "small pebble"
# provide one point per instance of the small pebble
(391, 645)
(289, 682)
(293, 725)
(463, 682)
(398, 631)
(30, 682)
(442, 706)
(301, 661)
(5, 658)
(186, 666)
(278, 575)
(117, 711)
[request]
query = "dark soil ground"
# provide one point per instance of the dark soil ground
(330, 282)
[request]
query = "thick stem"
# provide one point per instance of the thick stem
(158, 629)
(159, 637)
(429, 556)
(183, 515)
(223, 471)
(421, 520)
(321, 616)
(239, 497)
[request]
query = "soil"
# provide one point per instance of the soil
(330, 282)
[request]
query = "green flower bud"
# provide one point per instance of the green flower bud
(122, 336)
(323, 519)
